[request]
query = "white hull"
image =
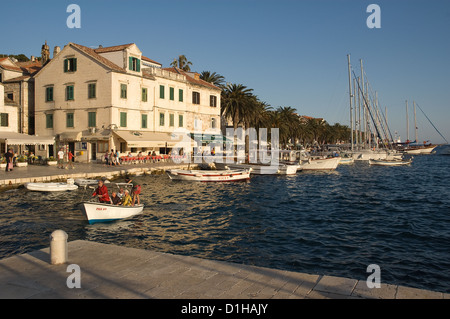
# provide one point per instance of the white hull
(50, 187)
(346, 160)
(282, 169)
(209, 175)
(321, 163)
(420, 150)
(100, 212)
(389, 163)
(87, 182)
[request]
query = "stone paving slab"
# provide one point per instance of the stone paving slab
(110, 271)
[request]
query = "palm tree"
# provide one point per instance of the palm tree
(214, 78)
(236, 102)
(182, 63)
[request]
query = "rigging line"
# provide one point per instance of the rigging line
(370, 113)
(431, 123)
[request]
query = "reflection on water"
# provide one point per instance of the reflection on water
(334, 223)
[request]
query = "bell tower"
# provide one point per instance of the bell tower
(45, 53)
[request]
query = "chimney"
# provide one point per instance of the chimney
(197, 76)
(56, 50)
(33, 58)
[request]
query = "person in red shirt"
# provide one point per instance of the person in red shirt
(102, 193)
(70, 157)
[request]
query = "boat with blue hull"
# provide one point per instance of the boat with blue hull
(101, 212)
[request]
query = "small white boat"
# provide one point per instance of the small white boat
(101, 212)
(260, 169)
(346, 160)
(390, 163)
(226, 175)
(87, 182)
(330, 163)
(52, 187)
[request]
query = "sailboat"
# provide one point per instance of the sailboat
(415, 147)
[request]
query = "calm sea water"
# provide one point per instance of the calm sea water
(334, 223)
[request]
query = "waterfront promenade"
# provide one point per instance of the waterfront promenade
(110, 271)
(45, 173)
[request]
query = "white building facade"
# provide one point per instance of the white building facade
(95, 100)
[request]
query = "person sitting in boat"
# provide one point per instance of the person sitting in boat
(115, 200)
(127, 200)
(121, 193)
(136, 190)
(102, 193)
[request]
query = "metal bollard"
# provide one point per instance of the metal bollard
(58, 247)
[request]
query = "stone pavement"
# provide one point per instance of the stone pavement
(109, 271)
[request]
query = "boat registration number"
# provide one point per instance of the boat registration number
(101, 208)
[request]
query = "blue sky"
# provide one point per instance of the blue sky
(290, 52)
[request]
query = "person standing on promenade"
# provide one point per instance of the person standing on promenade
(70, 157)
(9, 160)
(102, 193)
(61, 158)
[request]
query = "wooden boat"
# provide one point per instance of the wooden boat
(51, 187)
(226, 175)
(390, 163)
(260, 169)
(101, 212)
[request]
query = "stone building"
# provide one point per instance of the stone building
(95, 100)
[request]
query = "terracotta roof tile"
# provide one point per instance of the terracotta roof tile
(191, 79)
(98, 57)
(113, 48)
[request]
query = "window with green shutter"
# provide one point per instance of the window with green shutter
(70, 65)
(4, 119)
(92, 119)
(171, 120)
(70, 93)
(144, 94)
(123, 119)
(92, 91)
(49, 120)
(134, 64)
(49, 94)
(69, 119)
(161, 119)
(171, 94)
(144, 121)
(161, 91)
(180, 95)
(123, 91)
(180, 120)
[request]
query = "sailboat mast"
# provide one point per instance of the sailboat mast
(415, 121)
(350, 95)
(407, 122)
(363, 98)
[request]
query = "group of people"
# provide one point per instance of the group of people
(112, 158)
(123, 198)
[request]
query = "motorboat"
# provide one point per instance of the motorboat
(226, 175)
(52, 187)
(390, 162)
(263, 169)
(308, 161)
(87, 182)
(97, 212)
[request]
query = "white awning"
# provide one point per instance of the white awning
(13, 138)
(155, 139)
(70, 136)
